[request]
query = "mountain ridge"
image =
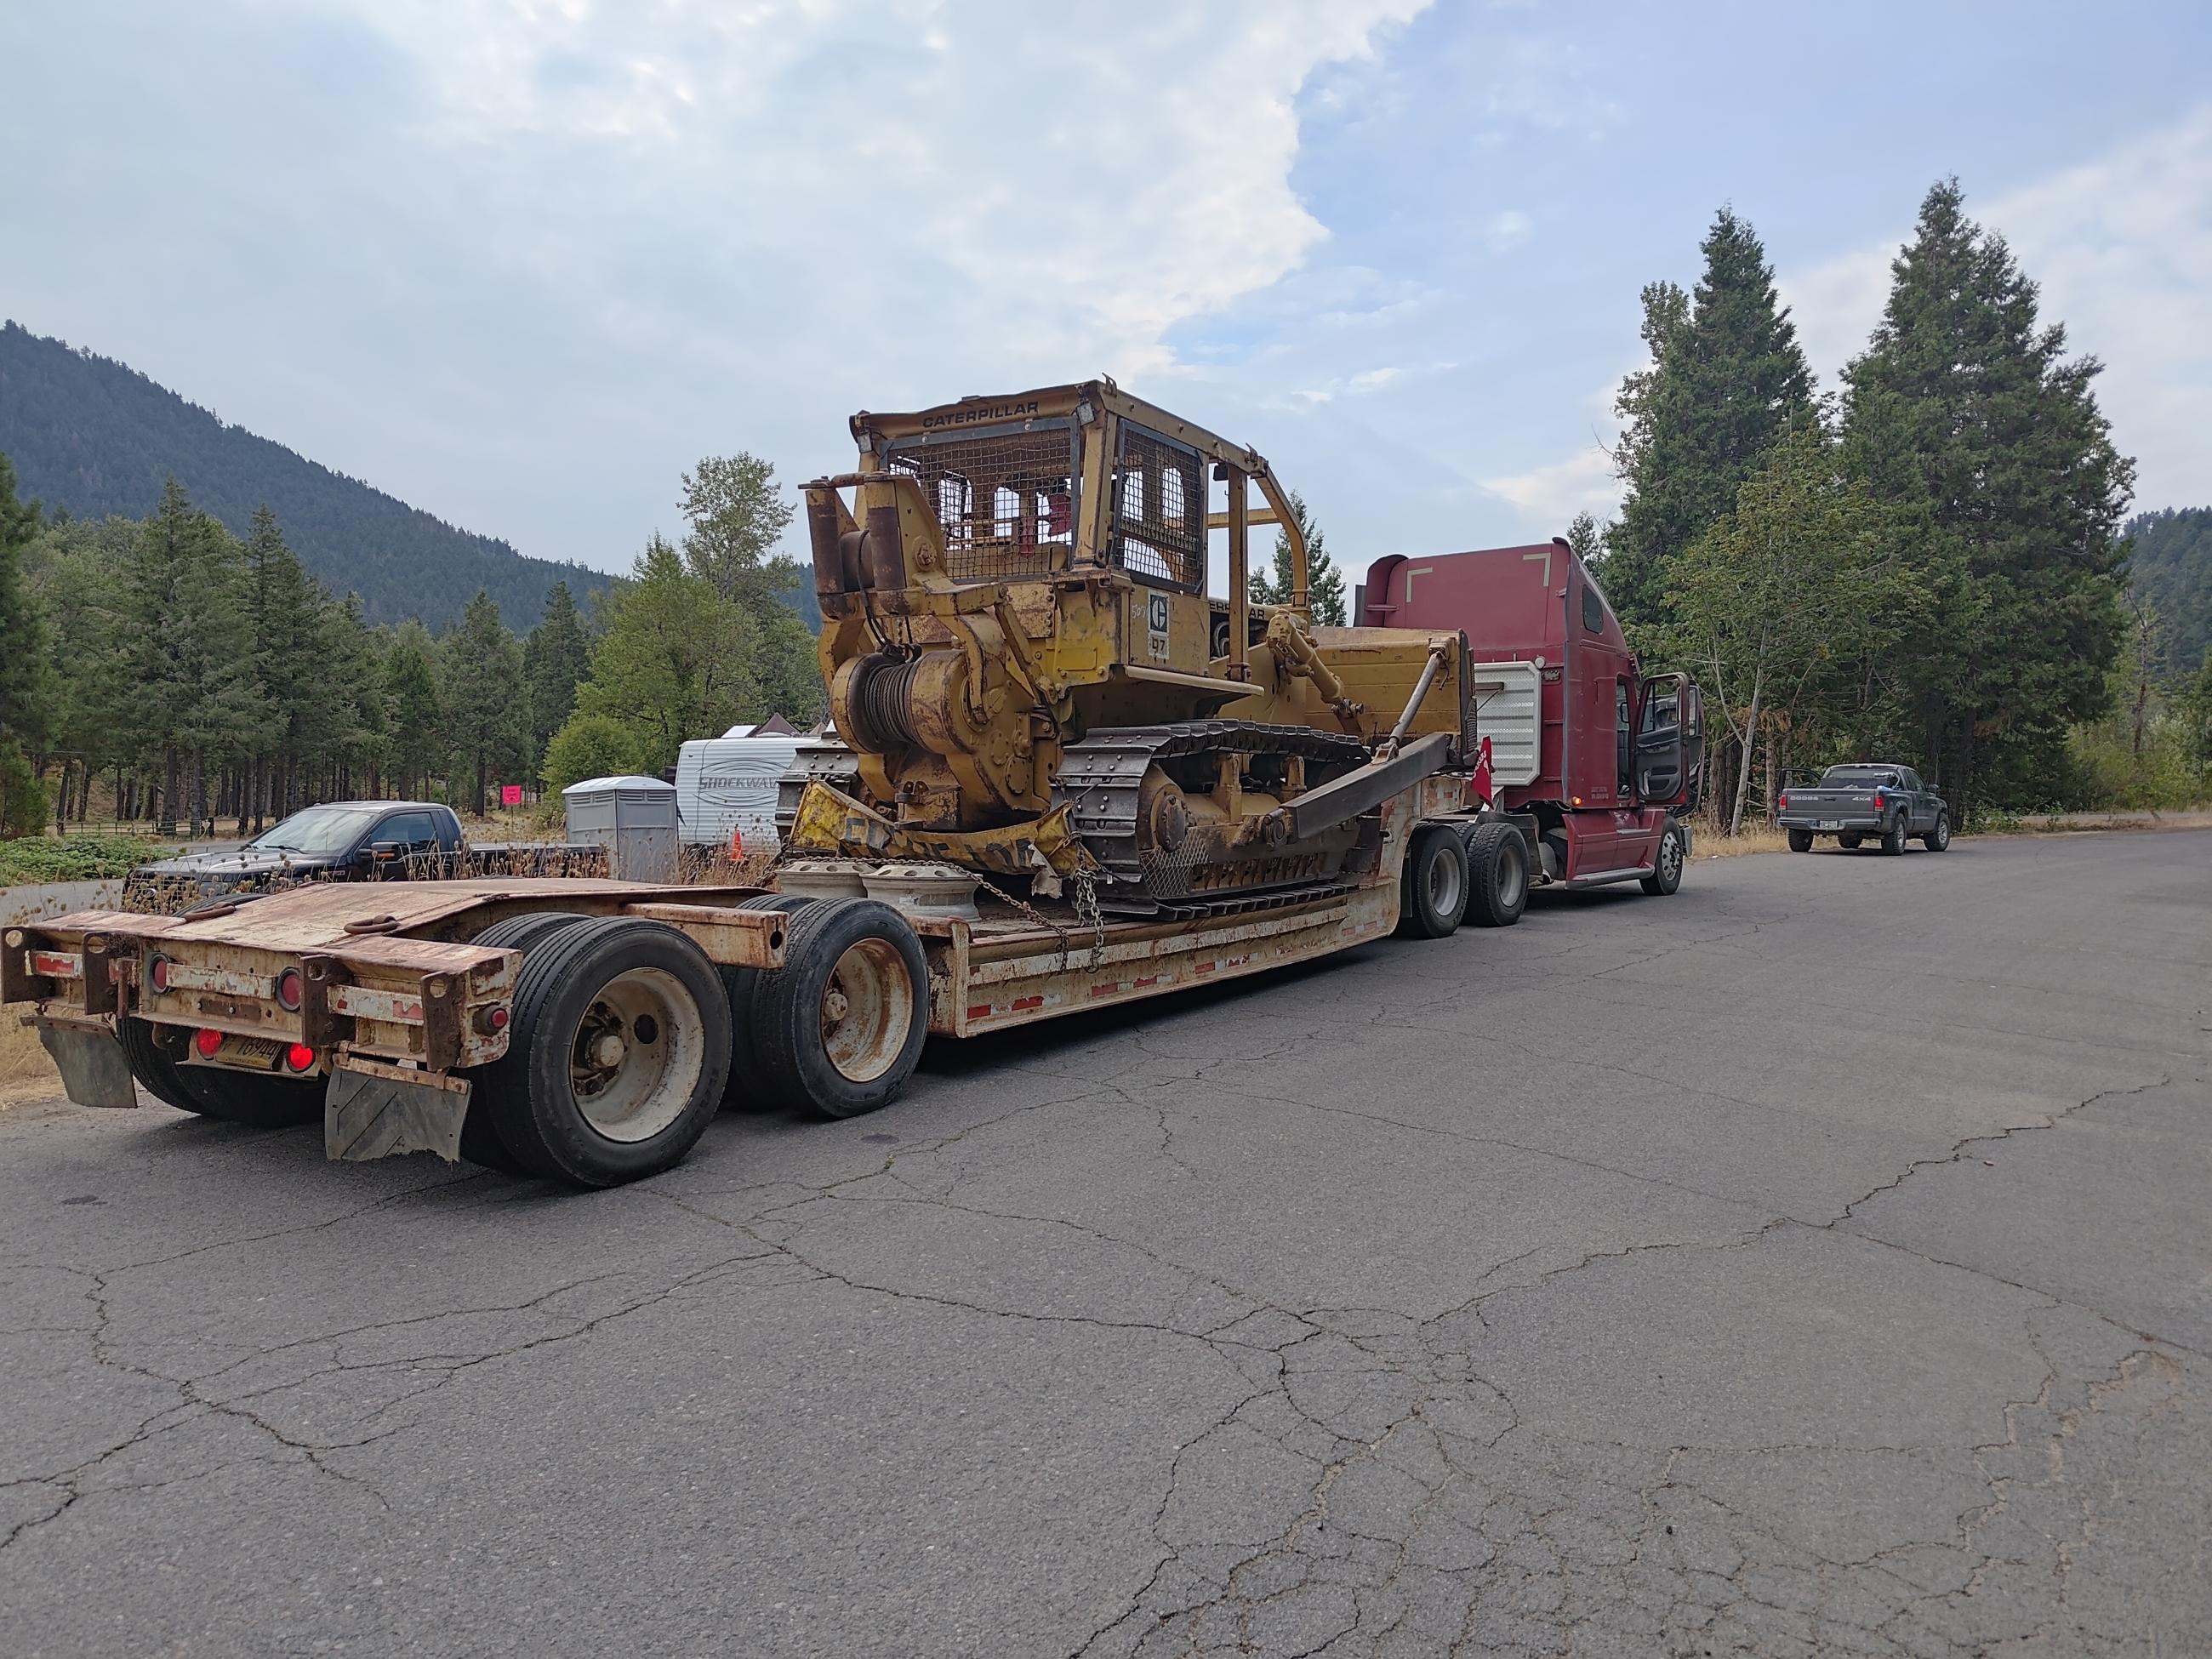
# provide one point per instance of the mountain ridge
(93, 436)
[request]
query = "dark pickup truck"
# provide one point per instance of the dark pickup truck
(339, 840)
(1858, 804)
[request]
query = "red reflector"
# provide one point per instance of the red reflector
(158, 971)
(497, 1018)
(288, 990)
(207, 1042)
(300, 1057)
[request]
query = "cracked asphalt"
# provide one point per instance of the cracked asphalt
(1818, 1261)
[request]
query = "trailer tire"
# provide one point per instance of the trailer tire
(1801, 840)
(839, 1027)
(1498, 875)
(1667, 862)
(153, 1066)
(480, 1138)
(247, 1098)
(617, 1053)
(742, 985)
(1938, 840)
(1893, 835)
(1432, 888)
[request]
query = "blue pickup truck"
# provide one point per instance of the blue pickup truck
(1863, 803)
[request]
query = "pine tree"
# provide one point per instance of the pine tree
(286, 607)
(416, 741)
(483, 716)
(1966, 413)
(24, 688)
(554, 660)
(1727, 379)
(185, 647)
(1324, 582)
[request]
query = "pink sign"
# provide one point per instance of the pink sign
(510, 794)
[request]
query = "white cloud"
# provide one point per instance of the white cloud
(1507, 230)
(1549, 496)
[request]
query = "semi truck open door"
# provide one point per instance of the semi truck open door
(1670, 741)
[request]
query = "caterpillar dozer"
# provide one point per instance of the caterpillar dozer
(1028, 679)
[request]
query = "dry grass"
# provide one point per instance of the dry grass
(26, 1074)
(1711, 843)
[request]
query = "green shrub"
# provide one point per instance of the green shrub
(73, 858)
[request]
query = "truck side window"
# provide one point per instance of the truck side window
(1593, 608)
(413, 830)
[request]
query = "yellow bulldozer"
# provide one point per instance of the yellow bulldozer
(1028, 679)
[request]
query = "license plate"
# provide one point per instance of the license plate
(1829, 823)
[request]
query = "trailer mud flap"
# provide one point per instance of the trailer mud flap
(376, 1111)
(94, 1072)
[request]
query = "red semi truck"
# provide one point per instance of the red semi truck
(1597, 763)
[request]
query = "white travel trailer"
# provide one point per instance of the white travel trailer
(726, 785)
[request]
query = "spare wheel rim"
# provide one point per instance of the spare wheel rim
(637, 1055)
(1444, 885)
(1512, 877)
(867, 1010)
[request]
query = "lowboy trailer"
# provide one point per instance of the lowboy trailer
(587, 1030)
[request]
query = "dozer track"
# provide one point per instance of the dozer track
(1101, 778)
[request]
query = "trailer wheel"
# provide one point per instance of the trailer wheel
(1497, 879)
(840, 1026)
(618, 1049)
(480, 1138)
(1666, 864)
(241, 1097)
(1433, 886)
(1801, 840)
(742, 985)
(153, 1066)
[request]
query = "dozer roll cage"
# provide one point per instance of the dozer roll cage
(1069, 480)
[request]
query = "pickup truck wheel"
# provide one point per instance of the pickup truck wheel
(840, 1026)
(1801, 840)
(1893, 836)
(742, 985)
(1432, 889)
(480, 1138)
(1666, 864)
(617, 1052)
(1938, 840)
(1498, 875)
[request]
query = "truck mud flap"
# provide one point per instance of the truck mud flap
(376, 1111)
(94, 1071)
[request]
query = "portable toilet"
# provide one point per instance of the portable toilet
(633, 817)
(726, 785)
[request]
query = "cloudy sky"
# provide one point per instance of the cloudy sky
(521, 262)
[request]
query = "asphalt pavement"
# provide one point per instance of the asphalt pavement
(1817, 1261)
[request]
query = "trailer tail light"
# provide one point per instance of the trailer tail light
(300, 1057)
(206, 1042)
(289, 990)
(157, 973)
(492, 1021)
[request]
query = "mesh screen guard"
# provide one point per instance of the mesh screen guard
(1005, 501)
